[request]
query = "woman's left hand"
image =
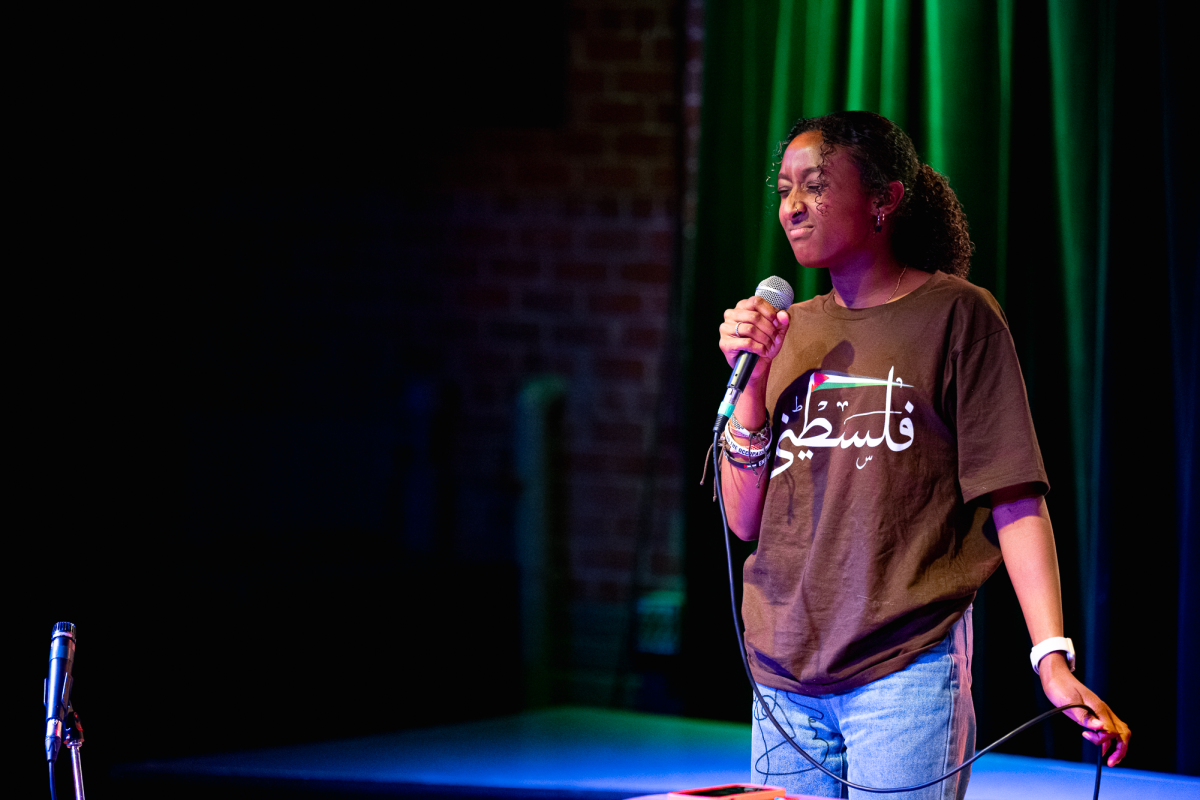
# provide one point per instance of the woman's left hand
(1063, 688)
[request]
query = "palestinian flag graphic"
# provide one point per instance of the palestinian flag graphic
(835, 380)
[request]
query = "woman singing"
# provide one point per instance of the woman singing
(905, 469)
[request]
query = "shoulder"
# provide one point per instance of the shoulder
(970, 310)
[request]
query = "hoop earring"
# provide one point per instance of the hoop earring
(879, 221)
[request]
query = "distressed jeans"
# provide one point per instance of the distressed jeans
(906, 728)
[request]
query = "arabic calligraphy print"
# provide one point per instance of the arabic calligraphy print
(866, 429)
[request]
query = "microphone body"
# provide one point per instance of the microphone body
(779, 294)
(58, 685)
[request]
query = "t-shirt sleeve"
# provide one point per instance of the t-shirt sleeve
(997, 445)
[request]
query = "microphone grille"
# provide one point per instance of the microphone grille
(776, 291)
(63, 628)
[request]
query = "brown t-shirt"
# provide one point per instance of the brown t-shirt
(889, 422)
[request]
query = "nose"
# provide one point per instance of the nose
(794, 202)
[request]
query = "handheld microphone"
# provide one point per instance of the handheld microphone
(58, 685)
(779, 294)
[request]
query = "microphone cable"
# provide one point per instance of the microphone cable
(737, 627)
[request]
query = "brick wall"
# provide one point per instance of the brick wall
(487, 257)
(568, 239)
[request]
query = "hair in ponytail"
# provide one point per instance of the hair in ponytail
(929, 229)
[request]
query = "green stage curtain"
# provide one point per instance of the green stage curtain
(1059, 126)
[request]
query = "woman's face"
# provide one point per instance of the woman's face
(827, 215)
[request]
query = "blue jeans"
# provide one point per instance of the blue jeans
(900, 730)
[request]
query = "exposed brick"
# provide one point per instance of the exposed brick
(478, 297)
(641, 336)
(506, 204)
(487, 235)
(629, 464)
(609, 112)
(514, 331)
(586, 80)
(612, 240)
(601, 591)
(662, 243)
(459, 266)
(509, 268)
(612, 177)
(624, 303)
(580, 271)
(607, 559)
(664, 50)
(644, 144)
(464, 330)
(604, 494)
(619, 432)
(669, 434)
(608, 207)
(422, 234)
(646, 273)
(645, 19)
(544, 174)
(491, 363)
(627, 368)
(582, 143)
(609, 19)
(583, 463)
(665, 564)
(665, 113)
(612, 48)
(549, 302)
(592, 335)
(549, 238)
(661, 80)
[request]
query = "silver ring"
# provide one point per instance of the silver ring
(736, 328)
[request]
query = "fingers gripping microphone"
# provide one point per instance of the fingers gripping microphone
(779, 294)
(58, 685)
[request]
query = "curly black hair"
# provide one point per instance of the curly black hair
(930, 229)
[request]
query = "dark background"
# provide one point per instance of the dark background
(275, 277)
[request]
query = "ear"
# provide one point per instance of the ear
(889, 201)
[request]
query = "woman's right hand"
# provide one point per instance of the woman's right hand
(753, 326)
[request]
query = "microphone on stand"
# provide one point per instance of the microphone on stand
(779, 294)
(58, 685)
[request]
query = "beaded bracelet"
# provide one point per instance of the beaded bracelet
(730, 446)
(753, 466)
(763, 433)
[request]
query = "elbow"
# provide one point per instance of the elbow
(751, 537)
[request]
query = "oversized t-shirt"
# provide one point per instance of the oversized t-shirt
(889, 421)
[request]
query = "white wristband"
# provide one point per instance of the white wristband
(1052, 645)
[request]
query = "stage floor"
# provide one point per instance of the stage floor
(589, 754)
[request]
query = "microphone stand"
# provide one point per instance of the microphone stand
(73, 739)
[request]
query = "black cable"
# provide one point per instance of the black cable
(53, 796)
(737, 627)
(1099, 764)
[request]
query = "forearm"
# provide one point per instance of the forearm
(744, 491)
(1027, 544)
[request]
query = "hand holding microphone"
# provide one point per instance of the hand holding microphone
(755, 327)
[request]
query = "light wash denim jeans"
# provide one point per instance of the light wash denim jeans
(901, 730)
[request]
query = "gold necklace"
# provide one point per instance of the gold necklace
(893, 294)
(890, 296)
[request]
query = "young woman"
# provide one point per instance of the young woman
(905, 469)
